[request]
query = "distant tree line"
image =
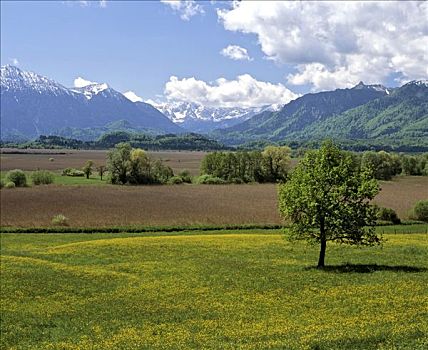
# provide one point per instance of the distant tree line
(190, 141)
(270, 165)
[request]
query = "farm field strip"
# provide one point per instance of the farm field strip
(108, 205)
(249, 291)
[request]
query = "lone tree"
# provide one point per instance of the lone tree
(101, 171)
(328, 199)
(87, 169)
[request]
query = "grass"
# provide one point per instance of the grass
(228, 290)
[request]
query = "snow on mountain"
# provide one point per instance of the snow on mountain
(13, 78)
(90, 90)
(32, 105)
(198, 118)
(421, 82)
(375, 87)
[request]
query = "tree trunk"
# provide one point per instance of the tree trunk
(322, 253)
(323, 244)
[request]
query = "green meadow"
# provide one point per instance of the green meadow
(248, 289)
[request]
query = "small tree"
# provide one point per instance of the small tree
(101, 171)
(18, 177)
(327, 199)
(87, 169)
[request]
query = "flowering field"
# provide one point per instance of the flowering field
(223, 290)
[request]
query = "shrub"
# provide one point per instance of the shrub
(59, 220)
(9, 184)
(1, 184)
(18, 177)
(175, 180)
(185, 176)
(209, 180)
(72, 172)
(388, 214)
(421, 211)
(42, 177)
(51, 159)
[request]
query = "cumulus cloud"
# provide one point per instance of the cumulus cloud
(186, 8)
(80, 82)
(132, 96)
(337, 44)
(236, 53)
(244, 91)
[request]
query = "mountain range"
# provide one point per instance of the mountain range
(32, 105)
(198, 118)
(364, 112)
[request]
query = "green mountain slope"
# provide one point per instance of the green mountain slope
(301, 113)
(365, 112)
(399, 116)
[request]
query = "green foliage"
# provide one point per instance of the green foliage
(1, 183)
(185, 176)
(209, 180)
(18, 177)
(326, 199)
(87, 169)
(72, 172)
(175, 180)
(59, 220)
(42, 177)
(421, 210)
(134, 166)
(388, 214)
(383, 164)
(271, 165)
(9, 184)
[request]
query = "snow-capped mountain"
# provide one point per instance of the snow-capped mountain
(373, 87)
(32, 105)
(198, 118)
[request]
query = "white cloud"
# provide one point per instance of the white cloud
(337, 44)
(186, 8)
(236, 53)
(244, 91)
(86, 3)
(132, 96)
(80, 82)
(14, 61)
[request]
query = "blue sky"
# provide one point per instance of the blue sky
(139, 46)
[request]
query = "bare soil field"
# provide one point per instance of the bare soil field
(95, 206)
(144, 205)
(33, 159)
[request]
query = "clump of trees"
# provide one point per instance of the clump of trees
(327, 198)
(127, 165)
(386, 165)
(270, 165)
